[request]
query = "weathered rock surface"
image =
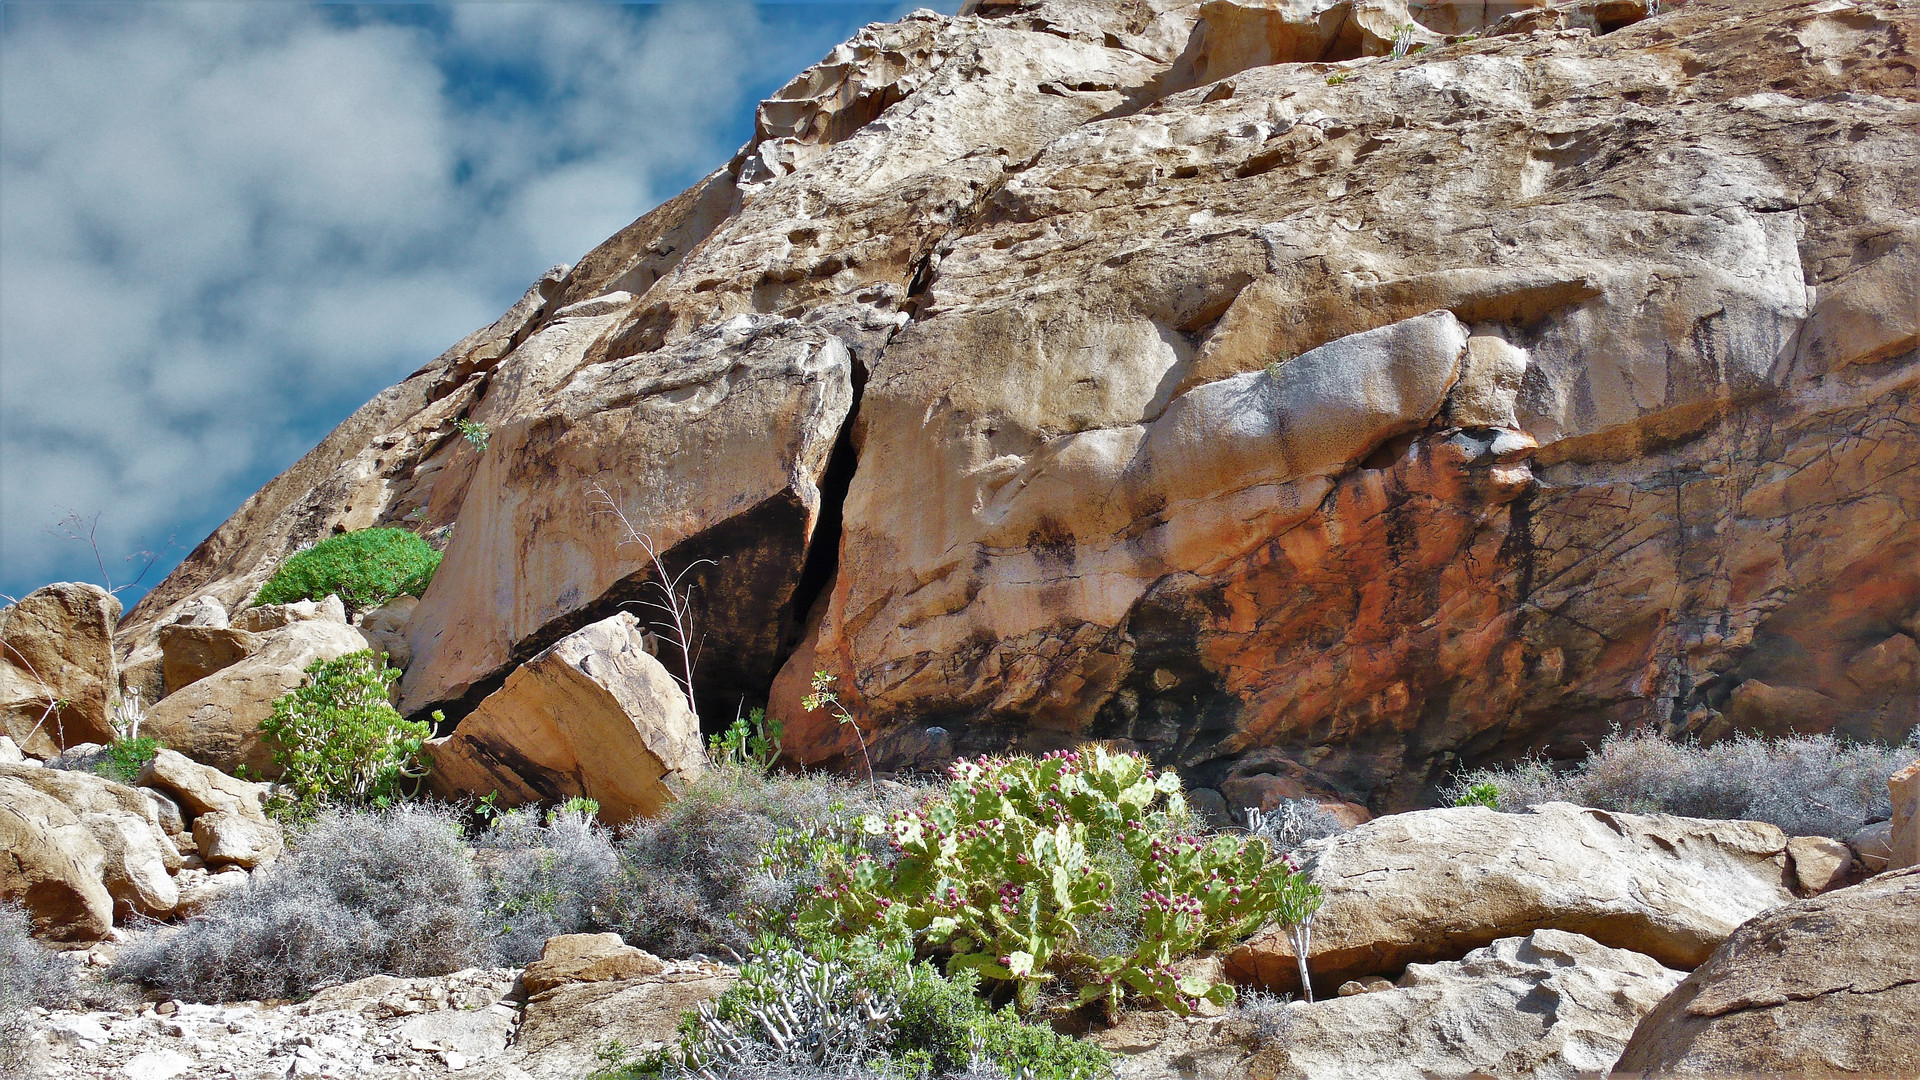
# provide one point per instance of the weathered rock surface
(216, 720)
(385, 629)
(563, 1028)
(1904, 833)
(202, 789)
(1548, 1005)
(50, 863)
(1435, 884)
(137, 857)
(1223, 386)
(1829, 986)
(191, 653)
(1819, 863)
(586, 958)
(57, 667)
(593, 716)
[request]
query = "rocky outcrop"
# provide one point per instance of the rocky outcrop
(137, 856)
(1825, 987)
(58, 677)
(83, 852)
(1433, 885)
(593, 716)
(1205, 377)
(1547, 1005)
(216, 720)
(51, 864)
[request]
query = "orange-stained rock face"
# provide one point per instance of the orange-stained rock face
(1205, 377)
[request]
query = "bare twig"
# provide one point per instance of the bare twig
(676, 602)
(85, 530)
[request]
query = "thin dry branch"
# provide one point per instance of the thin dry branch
(676, 601)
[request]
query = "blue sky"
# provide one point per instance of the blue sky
(225, 226)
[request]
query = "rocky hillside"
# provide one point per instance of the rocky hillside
(1318, 391)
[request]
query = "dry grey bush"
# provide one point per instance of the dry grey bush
(736, 854)
(541, 880)
(375, 892)
(1292, 823)
(30, 976)
(1265, 1017)
(1808, 785)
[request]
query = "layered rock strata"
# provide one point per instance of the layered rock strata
(1207, 377)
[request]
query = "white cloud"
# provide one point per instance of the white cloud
(222, 226)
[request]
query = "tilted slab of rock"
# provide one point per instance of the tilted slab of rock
(593, 716)
(57, 667)
(217, 719)
(1829, 986)
(1434, 884)
(1548, 1006)
(1667, 483)
(714, 448)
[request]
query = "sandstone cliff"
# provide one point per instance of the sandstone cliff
(1203, 375)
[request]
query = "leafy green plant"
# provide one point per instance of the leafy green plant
(998, 875)
(823, 697)
(338, 738)
(124, 759)
(1336, 80)
(579, 807)
(751, 742)
(1403, 39)
(474, 432)
(1483, 793)
(365, 568)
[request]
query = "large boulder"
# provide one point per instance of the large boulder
(138, 858)
(58, 673)
(1829, 986)
(216, 720)
(595, 715)
(51, 863)
(191, 653)
(1436, 884)
(586, 958)
(1192, 375)
(1548, 1005)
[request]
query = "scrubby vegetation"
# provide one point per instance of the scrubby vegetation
(362, 893)
(365, 569)
(31, 976)
(998, 876)
(1808, 785)
(1293, 823)
(859, 1009)
(339, 741)
(124, 759)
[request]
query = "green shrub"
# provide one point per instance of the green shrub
(750, 742)
(1000, 875)
(1480, 793)
(862, 1009)
(124, 758)
(339, 740)
(365, 568)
